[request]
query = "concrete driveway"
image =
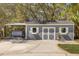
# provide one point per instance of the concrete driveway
(31, 47)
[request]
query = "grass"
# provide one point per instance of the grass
(71, 48)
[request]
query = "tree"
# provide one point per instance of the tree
(40, 12)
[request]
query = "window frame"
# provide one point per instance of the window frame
(37, 30)
(60, 30)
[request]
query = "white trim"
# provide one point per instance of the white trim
(15, 24)
(73, 32)
(49, 24)
(37, 30)
(35, 24)
(26, 32)
(48, 32)
(54, 32)
(42, 33)
(61, 31)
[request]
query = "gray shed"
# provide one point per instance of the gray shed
(59, 30)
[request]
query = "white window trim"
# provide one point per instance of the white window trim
(48, 32)
(61, 31)
(37, 30)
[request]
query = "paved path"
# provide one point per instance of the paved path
(48, 48)
(9, 48)
(31, 47)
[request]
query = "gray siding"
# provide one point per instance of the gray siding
(38, 36)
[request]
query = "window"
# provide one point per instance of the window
(34, 30)
(63, 30)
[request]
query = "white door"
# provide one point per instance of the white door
(48, 33)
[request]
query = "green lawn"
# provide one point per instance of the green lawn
(72, 48)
